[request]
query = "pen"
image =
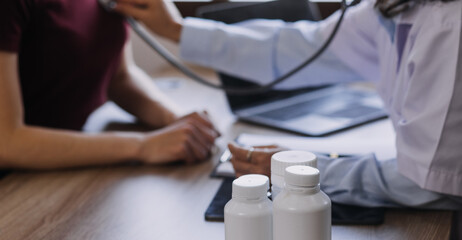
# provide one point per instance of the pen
(334, 155)
(226, 155)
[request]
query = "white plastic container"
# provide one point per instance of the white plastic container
(248, 215)
(302, 211)
(281, 160)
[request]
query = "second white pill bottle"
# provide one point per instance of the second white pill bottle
(281, 160)
(302, 211)
(248, 215)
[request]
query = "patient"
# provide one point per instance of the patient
(62, 59)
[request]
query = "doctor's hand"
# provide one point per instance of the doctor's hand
(189, 139)
(252, 160)
(160, 16)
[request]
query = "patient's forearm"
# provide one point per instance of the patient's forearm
(137, 94)
(40, 148)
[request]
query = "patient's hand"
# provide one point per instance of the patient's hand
(258, 161)
(160, 16)
(189, 138)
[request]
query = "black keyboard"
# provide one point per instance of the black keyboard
(294, 111)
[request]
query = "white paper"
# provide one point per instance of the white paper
(377, 137)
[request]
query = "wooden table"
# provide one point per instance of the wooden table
(156, 202)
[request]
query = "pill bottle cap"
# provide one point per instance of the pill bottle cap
(251, 186)
(302, 176)
(281, 160)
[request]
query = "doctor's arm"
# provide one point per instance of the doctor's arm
(262, 50)
(359, 180)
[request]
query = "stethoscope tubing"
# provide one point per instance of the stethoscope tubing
(170, 58)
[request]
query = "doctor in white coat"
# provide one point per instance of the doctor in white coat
(410, 49)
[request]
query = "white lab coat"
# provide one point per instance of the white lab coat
(414, 60)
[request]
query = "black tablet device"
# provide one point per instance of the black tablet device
(341, 213)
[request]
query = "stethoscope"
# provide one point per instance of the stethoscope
(162, 51)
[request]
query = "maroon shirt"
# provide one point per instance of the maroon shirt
(68, 52)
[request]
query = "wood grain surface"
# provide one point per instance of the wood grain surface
(131, 202)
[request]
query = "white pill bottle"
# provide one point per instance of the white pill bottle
(248, 215)
(302, 211)
(281, 160)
